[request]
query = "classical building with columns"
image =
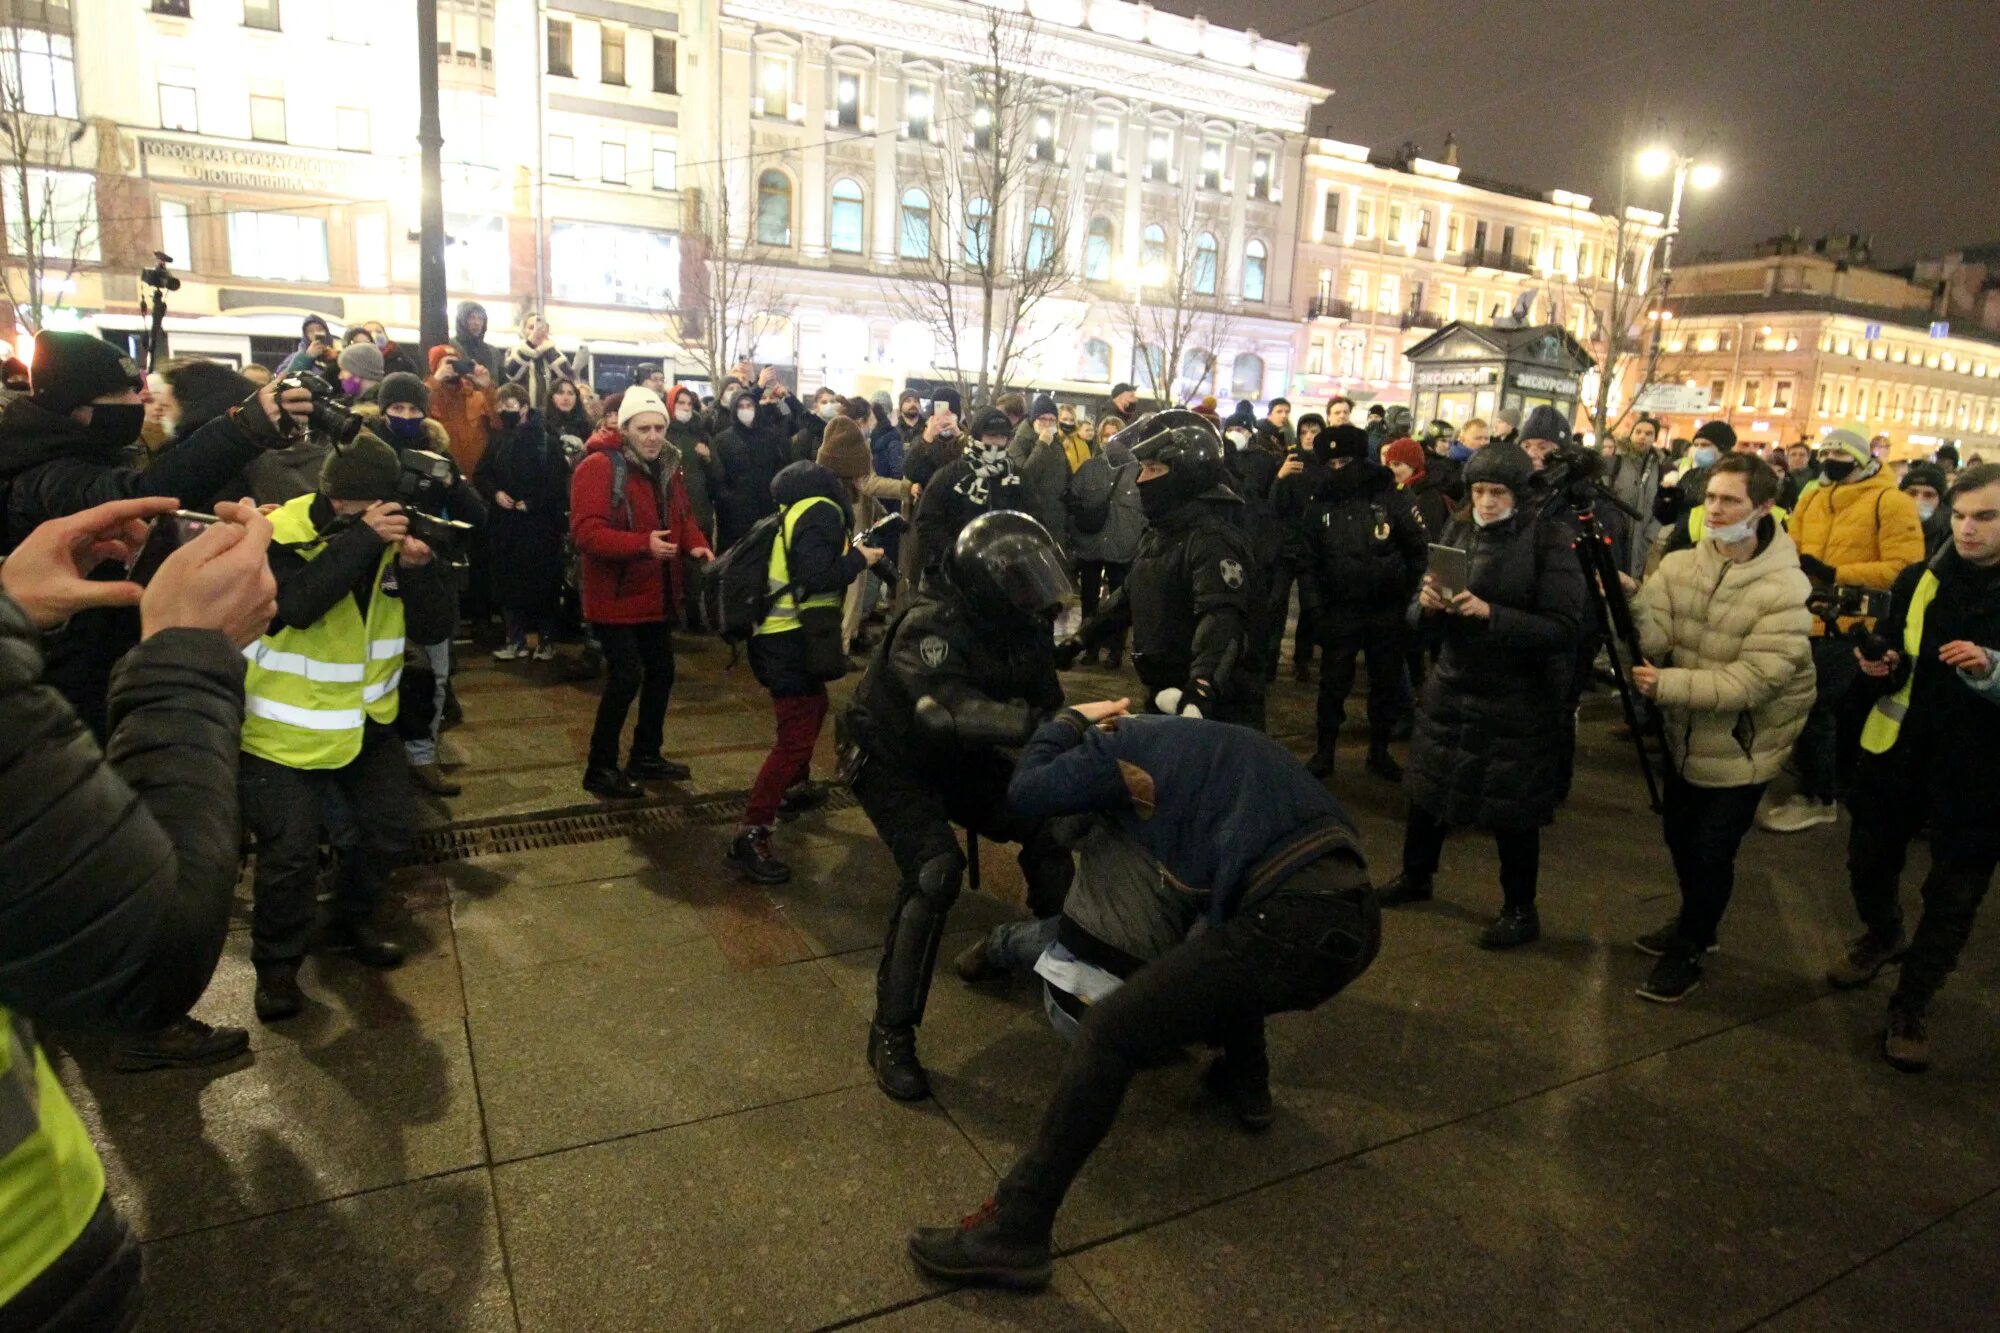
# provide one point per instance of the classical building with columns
(1166, 139)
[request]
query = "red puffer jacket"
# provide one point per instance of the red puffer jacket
(622, 583)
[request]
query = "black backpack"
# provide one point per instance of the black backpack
(735, 589)
(1086, 517)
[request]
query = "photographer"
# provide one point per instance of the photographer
(798, 646)
(315, 352)
(400, 415)
(322, 699)
(1855, 531)
(63, 448)
(1728, 662)
(118, 883)
(1930, 760)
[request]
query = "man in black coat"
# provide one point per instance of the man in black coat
(1194, 599)
(1361, 552)
(1930, 759)
(966, 670)
(64, 447)
(981, 480)
(751, 452)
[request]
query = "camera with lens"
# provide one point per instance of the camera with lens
(157, 276)
(421, 488)
(1837, 602)
(876, 535)
(327, 416)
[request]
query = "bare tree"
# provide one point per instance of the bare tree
(49, 202)
(1618, 315)
(730, 291)
(984, 247)
(1177, 315)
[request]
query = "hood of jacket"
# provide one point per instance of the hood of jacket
(676, 394)
(436, 438)
(30, 435)
(804, 480)
(467, 309)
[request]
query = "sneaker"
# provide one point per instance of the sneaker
(1250, 1100)
(750, 856)
(1514, 927)
(1655, 943)
(1405, 888)
(657, 769)
(432, 779)
(278, 993)
(611, 784)
(892, 1054)
(181, 1044)
(1383, 764)
(545, 651)
(982, 1251)
(510, 652)
(1798, 814)
(1864, 960)
(1905, 1043)
(1675, 976)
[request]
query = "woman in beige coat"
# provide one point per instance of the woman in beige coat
(844, 452)
(1729, 665)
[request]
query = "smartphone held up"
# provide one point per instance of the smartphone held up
(168, 533)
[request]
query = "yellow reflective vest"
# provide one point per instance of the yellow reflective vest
(1885, 720)
(310, 691)
(50, 1178)
(784, 613)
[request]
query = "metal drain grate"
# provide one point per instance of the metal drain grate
(525, 833)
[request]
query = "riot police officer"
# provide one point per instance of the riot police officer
(969, 668)
(1194, 598)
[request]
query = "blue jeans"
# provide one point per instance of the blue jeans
(1015, 945)
(425, 749)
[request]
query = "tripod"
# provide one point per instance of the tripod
(161, 282)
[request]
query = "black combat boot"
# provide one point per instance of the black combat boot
(985, 1249)
(1405, 888)
(750, 856)
(892, 1054)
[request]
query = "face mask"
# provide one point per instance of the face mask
(1239, 438)
(748, 418)
(1459, 452)
(1497, 518)
(992, 453)
(116, 425)
(1837, 469)
(1926, 509)
(511, 417)
(350, 385)
(827, 411)
(405, 428)
(1733, 533)
(1704, 455)
(684, 413)
(1156, 498)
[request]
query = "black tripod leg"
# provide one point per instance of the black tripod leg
(1614, 617)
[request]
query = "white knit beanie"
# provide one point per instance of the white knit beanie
(638, 400)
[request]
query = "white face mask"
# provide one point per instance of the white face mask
(747, 418)
(1704, 455)
(1497, 518)
(827, 411)
(1735, 532)
(684, 414)
(1926, 509)
(1239, 437)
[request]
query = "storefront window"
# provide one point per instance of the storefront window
(277, 245)
(600, 264)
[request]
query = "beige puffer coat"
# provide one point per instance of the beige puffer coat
(1733, 644)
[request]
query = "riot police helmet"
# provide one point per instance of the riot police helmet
(1008, 567)
(1186, 444)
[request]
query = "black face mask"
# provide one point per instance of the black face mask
(1837, 469)
(115, 425)
(1158, 497)
(510, 418)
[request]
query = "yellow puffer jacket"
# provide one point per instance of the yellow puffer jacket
(1867, 530)
(1735, 655)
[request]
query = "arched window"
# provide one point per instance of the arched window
(774, 209)
(1041, 239)
(1153, 254)
(1097, 251)
(1096, 361)
(845, 233)
(1246, 379)
(1151, 368)
(1253, 271)
(1204, 265)
(916, 230)
(978, 234)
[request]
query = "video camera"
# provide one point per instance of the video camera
(1833, 603)
(877, 535)
(421, 488)
(1576, 474)
(157, 276)
(327, 416)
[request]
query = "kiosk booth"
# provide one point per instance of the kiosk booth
(1473, 370)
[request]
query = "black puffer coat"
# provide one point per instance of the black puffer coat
(1488, 751)
(1361, 549)
(750, 459)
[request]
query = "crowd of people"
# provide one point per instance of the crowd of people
(234, 600)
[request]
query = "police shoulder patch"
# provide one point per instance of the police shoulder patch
(934, 650)
(1232, 573)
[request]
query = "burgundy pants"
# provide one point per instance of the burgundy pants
(799, 720)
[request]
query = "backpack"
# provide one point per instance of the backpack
(735, 589)
(1089, 516)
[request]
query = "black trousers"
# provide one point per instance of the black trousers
(914, 814)
(1952, 892)
(1283, 578)
(641, 662)
(1704, 826)
(1520, 854)
(1293, 950)
(284, 809)
(1345, 636)
(1095, 580)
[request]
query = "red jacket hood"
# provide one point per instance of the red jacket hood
(678, 392)
(606, 439)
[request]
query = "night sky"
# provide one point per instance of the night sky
(1876, 116)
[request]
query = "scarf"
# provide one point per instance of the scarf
(988, 469)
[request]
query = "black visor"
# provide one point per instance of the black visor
(1034, 579)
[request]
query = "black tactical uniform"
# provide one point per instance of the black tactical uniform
(1194, 599)
(967, 669)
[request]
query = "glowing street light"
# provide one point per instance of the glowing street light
(1654, 162)
(1705, 176)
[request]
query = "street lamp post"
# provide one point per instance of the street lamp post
(1657, 161)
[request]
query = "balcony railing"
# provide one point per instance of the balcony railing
(1422, 319)
(1499, 260)
(1326, 307)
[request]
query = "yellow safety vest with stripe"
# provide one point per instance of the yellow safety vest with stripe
(785, 607)
(1698, 520)
(1885, 720)
(311, 690)
(50, 1178)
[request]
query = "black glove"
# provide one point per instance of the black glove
(1067, 651)
(1816, 570)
